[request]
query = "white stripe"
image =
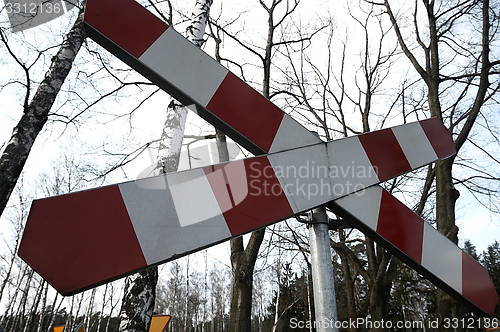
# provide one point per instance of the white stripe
(153, 214)
(364, 205)
(442, 257)
(350, 168)
(171, 54)
(303, 175)
(415, 144)
(291, 135)
(190, 189)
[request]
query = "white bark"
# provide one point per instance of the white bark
(143, 298)
(137, 309)
(186, 307)
(90, 308)
(278, 294)
(44, 306)
(205, 288)
(173, 129)
(171, 139)
(36, 113)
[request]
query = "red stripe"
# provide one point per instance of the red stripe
(264, 204)
(126, 23)
(439, 137)
(401, 226)
(385, 154)
(477, 285)
(79, 240)
(247, 111)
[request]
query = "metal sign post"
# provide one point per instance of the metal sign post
(325, 305)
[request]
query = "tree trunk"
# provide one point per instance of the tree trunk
(348, 282)
(243, 263)
(446, 194)
(242, 260)
(138, 301)
(36, 113)
(446, 197)
(186, 306)
(278, 293)
(136, 313)
(43, 309)
(90, 308)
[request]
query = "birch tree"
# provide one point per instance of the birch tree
(139, 295)
(36, 107)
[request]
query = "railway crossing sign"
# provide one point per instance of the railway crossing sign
(81, 240)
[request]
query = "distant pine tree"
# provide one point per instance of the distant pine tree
(491, 260)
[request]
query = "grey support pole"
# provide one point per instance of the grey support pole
(325, 305)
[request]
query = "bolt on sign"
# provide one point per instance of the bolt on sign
(84, 239)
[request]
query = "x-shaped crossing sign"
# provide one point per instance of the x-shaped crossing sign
(84, 239)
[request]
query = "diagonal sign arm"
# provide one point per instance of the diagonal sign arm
(105, 233)
(169, 60)
(389, 222)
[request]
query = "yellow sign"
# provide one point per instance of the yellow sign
(159, 323)
(61, 328)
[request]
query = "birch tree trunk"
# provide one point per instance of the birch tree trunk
(44, 307)
(90, 308)
(36, 112)
(186, 306)
(205, 288)
(140, 290)
(278, 292)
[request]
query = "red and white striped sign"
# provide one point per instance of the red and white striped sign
(112, 231)
(389, 222)
(95, 236)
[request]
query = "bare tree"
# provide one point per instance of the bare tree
(36, 108)
(243, 257)
(339, 101)
(445, 59)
